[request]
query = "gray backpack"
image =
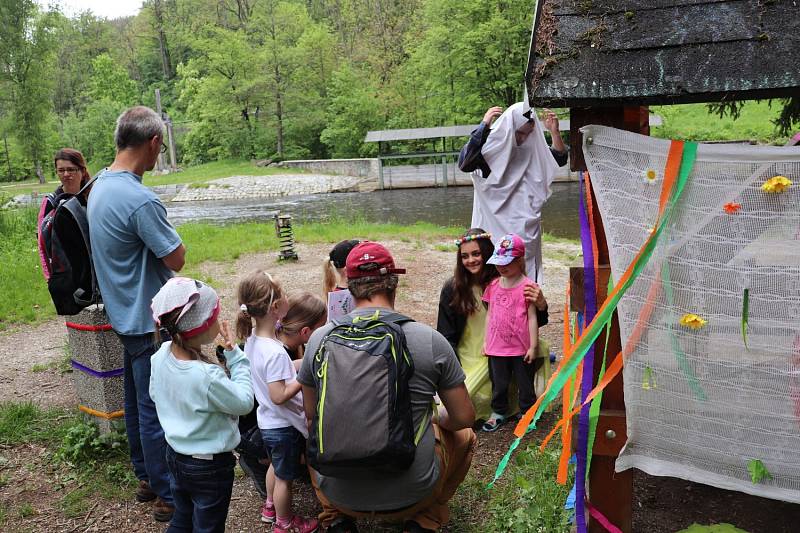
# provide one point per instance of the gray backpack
(363, 427)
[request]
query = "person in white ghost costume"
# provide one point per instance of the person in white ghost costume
(512, 170)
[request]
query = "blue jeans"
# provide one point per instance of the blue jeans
(145, 436)
(202, 490)
(285, 446)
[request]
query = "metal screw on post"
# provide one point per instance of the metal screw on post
(283, 229)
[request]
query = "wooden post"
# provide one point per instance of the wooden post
(160, 161)
(609, 492)
(173, 166)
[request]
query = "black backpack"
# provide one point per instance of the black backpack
(363, 427)
(65, 235)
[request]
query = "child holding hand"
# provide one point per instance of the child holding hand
(197, 403)
(512, 331)
(280, 414)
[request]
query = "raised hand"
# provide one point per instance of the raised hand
(550, 120)
(491, 114)
(228, 342)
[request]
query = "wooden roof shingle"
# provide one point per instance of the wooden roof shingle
(615, 52)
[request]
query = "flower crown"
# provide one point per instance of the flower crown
(467, 238)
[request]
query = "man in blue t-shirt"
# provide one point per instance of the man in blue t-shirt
(135, 251)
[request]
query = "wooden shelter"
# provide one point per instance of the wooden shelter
(606, 60)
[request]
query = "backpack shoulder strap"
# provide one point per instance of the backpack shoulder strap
(78, 213)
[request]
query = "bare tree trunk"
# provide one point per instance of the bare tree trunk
(39, 172)
(279, 111)
(166, 66)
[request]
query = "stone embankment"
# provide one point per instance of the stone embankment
(241, 187)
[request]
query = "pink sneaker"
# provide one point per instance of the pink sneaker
(297, 525)
(267, 513)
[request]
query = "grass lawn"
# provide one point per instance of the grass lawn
(196, 174)
(26, 299)
(693, 122)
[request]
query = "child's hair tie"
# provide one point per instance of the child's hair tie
(243, 309)
(278, 326)
(467, 238)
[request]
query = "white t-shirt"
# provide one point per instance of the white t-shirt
(270, 362)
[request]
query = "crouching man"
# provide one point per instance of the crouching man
(371, 457)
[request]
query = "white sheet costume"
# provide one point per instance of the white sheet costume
(510, 200)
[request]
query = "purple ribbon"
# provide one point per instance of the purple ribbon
(95, 373)
(590, 306)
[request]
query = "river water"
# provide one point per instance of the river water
(448, 207)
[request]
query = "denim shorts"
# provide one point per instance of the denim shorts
(284, 446)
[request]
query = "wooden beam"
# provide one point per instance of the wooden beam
(609, 492)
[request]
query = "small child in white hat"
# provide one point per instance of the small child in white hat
(198, 405)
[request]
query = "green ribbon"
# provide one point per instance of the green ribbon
(745, 317)
(606, 312)
(680, 356)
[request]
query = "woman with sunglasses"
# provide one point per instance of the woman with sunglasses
(70, 167)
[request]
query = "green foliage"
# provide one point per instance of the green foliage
(693, 122)
(110, 81)
(528, 498)
(353, 110)
(92, 132)
(27, 48)
(26, 296)
(26, 510)
(83, 444)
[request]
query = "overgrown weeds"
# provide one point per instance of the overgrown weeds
(528, 498)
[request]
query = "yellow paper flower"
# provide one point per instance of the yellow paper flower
(776, 184)
(649, 175)
(693, 321)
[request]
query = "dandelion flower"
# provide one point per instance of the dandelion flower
(776, 184)
(692, 321)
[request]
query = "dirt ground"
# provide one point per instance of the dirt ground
(661, 505)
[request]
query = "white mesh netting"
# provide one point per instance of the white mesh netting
(700, 405)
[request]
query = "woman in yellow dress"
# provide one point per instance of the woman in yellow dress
(462, 314)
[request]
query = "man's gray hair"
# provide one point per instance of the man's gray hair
(136, 126)
(364, 288)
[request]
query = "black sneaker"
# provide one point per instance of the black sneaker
(344, 525)
(409, 526)
(255, 471)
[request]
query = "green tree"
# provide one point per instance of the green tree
(353, 110)
(110, 81)
(27, 51)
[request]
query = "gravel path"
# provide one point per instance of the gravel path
(32, 479)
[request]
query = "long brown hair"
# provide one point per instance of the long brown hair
(257, 292)
(77, 159)
(464, 301)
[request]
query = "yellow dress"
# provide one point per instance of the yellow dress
(474, 363)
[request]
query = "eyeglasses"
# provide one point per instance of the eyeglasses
(163, 148)
(68, 170)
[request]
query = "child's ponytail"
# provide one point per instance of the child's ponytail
(257, 292)
(328, 277)
(244, 324)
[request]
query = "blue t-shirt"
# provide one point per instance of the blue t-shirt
(130, 234)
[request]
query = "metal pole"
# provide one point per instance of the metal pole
(444, 170)
(158, 110)
(171, 140)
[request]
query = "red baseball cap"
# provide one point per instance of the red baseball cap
(370, 259)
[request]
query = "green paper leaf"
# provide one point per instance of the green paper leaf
(758, 472)
(745, 313)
